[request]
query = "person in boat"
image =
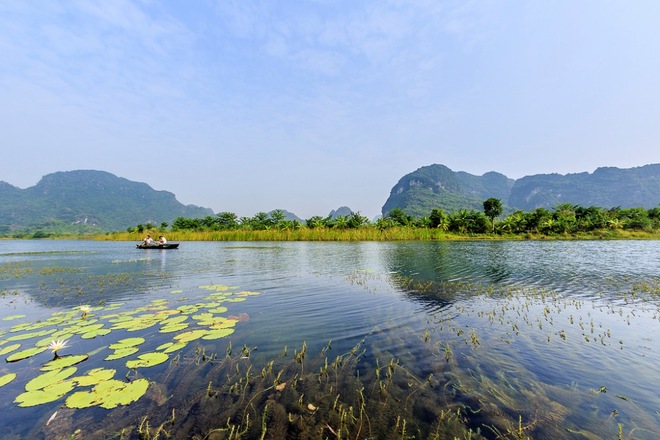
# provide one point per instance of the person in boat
(162, 240)
(148, 240)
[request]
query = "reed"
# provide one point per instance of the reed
(367, 233)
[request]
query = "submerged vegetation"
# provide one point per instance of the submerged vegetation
(167, 369)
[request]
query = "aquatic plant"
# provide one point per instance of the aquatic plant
(84, 310)
(56, 346)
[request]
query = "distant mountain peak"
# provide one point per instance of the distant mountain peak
(342, 211)
(437, 186)
(91, 197)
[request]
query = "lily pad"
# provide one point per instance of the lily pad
(175, 319)
(141, 322)
(217, 334)
(224, 323)
(128, 342)
(6, 378)
(95, 376)
(247, 293)
(109, 394)
(171, 347)
(24, 354)
(89, 328)
(190, 336)
(64, 361)
(147, 360)
(171, 328)
(188, 310)
(31, 335)
(49, 378)
(122, 353)
(95, 333)
(9, 349)
(48, 394)
(13, 317)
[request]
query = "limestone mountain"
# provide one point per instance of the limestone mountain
(606, 187)
(89, 197)
(436, 186)
(343, 211)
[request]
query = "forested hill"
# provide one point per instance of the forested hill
(89, 198)
(436, 186)
(606, 187)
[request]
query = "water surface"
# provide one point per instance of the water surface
(544, 339)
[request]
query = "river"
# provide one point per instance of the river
(488, 339)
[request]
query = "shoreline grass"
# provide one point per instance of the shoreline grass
(366, 234)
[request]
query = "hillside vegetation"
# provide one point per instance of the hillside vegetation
(85, 201)
(436, 186)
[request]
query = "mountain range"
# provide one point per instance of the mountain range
(90, 199)
(436, 186)
(100, 201)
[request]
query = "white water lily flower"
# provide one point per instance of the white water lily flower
(85, 310)
(56, 346)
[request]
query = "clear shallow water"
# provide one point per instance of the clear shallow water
(563, 336)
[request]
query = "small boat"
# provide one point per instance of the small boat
(157, 246)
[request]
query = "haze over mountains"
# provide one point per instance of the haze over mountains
(101, 200)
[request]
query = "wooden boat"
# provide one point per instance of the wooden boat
(157, 246)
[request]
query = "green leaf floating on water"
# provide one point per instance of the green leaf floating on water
(223, 323)
(122, 353)
(12, 317)
(6, 378)
(9, 349)
(29, 326)
(171, 347)
(147, 360)
(109, 394)
(247, 293)
(95, 377)
(95, 333)
(89, 327)
(203, 316)
(190, 336)
(217, 334)
(171, 328)
(128, 342)
(49, 378)
(24, 336)
(48, 394)
(188, 310)
(64, 361)
(175, 319)
(24, 354)
(216, 288)
(141, 322)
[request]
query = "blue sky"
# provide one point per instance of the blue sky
(248, 106)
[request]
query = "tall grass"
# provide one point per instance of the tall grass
(302, 234)
(362, 234)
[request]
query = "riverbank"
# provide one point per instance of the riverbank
(368, 234)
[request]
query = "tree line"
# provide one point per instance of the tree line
(564, 218)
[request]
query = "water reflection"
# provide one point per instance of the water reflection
(431, 339)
